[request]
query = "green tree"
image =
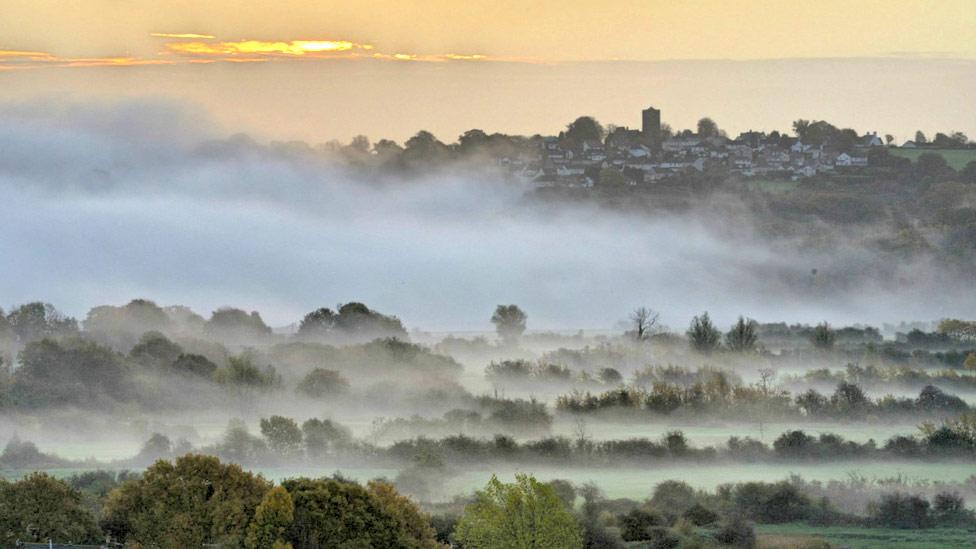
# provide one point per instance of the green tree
(70, 371)
(970, 362)
(509, 322)
(703, 335)
(823, 336)
(338, 514)
(155, 350)
(194, 501)
(271, 520)
(322, 382)
(742, 337)
(192, 364)
(323, 436)
(526, 514)
(283, 435)
(920, 138)
(34, 321)
(39, 507)
(585, 128)
(415, 527)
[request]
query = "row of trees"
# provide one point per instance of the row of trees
(197, 500)
(716, 392)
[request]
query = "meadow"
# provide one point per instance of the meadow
(956, 158)
(802, 536)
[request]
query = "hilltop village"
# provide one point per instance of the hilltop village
(586, 154)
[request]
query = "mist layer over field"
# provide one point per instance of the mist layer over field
(103, 202)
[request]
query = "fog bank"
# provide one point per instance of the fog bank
(106, 202)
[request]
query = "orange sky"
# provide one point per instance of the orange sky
(319, 70)
(565, 30)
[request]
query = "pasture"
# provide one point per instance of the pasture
(802, 535)
(957, 158)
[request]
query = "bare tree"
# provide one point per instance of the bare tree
(766, 376)
(645, 322)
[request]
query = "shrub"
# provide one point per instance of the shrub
(737, 533)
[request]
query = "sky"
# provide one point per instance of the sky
(331, 70)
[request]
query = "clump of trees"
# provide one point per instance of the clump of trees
(197, 501)
(350, 323)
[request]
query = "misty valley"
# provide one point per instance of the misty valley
(607, 338)
(645, 434)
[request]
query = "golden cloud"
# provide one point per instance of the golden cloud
(202, 48)
(294, 48)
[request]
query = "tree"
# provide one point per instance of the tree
(195, 501)
(849, 399)
(317, 323)
(72, 371)
(323, 436)
(283, 435)
(271, 519)
(800, 127)
(899, 510)
(585, 128)
(509, 322)
(232, 325)
(526, 514)
(920, 138)
(155, 350)
(192, 364)
(639, 524)
(644, 321)
(823, 337)
(415, 530)
(39, 507)
(970, 362)
(337, 513)
(930, 165)
(36, 320)
(322, 382)
(119, 327)
(703, 335)
(742, 337)
(889, 139)
(707, 128)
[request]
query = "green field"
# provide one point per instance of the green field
(866, 538)
(957, 158)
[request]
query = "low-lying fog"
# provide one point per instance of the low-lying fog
(107, 201)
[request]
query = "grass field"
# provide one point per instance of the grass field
(801, 535)
(957, 158)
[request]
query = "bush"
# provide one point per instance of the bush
(736, 532)
(700, 515)
(637, 525)
(899, 510)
